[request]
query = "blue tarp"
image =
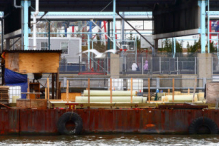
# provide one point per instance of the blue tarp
(15, 79)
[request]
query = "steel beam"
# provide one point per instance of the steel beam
(114, 24)
(203, 37)
(108, 29)
(25, 23)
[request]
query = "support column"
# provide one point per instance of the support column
(88, 48)
(155, 46)
(7, 44)
(123, 27)
(203, 5)
(208, 26)
(53, 85)
(66, 31)
(2, 44)
(26, 31)
(123, 43)
(108, 42)
(114, 24)
(174, 47)
(90, 30)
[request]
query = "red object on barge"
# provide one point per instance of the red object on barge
(161, 120)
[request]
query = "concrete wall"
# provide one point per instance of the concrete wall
(204, 67)
(114, 65)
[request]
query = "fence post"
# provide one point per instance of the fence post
(125, 65)
(151, 66)
(195, 65)
(177, 66)
(204, 82)
(212, 67)
(142, 66)
(67, 92)
(160, 64)
(158, 83)
(66, 66)
(79, 64)
(65, 82)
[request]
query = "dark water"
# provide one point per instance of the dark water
(116, 139)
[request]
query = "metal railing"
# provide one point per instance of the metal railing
(146, 65)
(138, 83)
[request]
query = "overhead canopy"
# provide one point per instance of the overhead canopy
(98, 5)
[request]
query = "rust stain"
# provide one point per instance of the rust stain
(149, 126)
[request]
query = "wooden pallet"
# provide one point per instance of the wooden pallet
(4, 97)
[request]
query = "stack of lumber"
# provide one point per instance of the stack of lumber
(4, 97)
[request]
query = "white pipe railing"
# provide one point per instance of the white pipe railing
(15, 5)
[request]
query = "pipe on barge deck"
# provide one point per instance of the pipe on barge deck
(32, 121)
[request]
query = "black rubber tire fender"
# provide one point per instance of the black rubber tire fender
(203, 121)
(72, 117)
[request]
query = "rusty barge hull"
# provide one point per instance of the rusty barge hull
(29, 121)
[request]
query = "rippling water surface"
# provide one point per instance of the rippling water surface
(116, 139)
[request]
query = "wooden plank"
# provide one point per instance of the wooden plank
(38, 103)
(23, 103)
(12, 61)
(212, 92)
(48, 88)
(38, 62)
(57, 85)
(71, 96)
(195, 84)
(46, 96)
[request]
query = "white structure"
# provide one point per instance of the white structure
(150, 38)
(70, 47)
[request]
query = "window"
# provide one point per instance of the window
(64, 47)
(44, 46)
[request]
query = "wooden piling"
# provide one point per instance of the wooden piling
(111, 93)
(173, 91)
(149, 95)
(88, 88)
(131, 89)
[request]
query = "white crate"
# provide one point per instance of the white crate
(137, 84)
(14, 93)
(117, 84)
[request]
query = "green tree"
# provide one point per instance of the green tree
(195, 47)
